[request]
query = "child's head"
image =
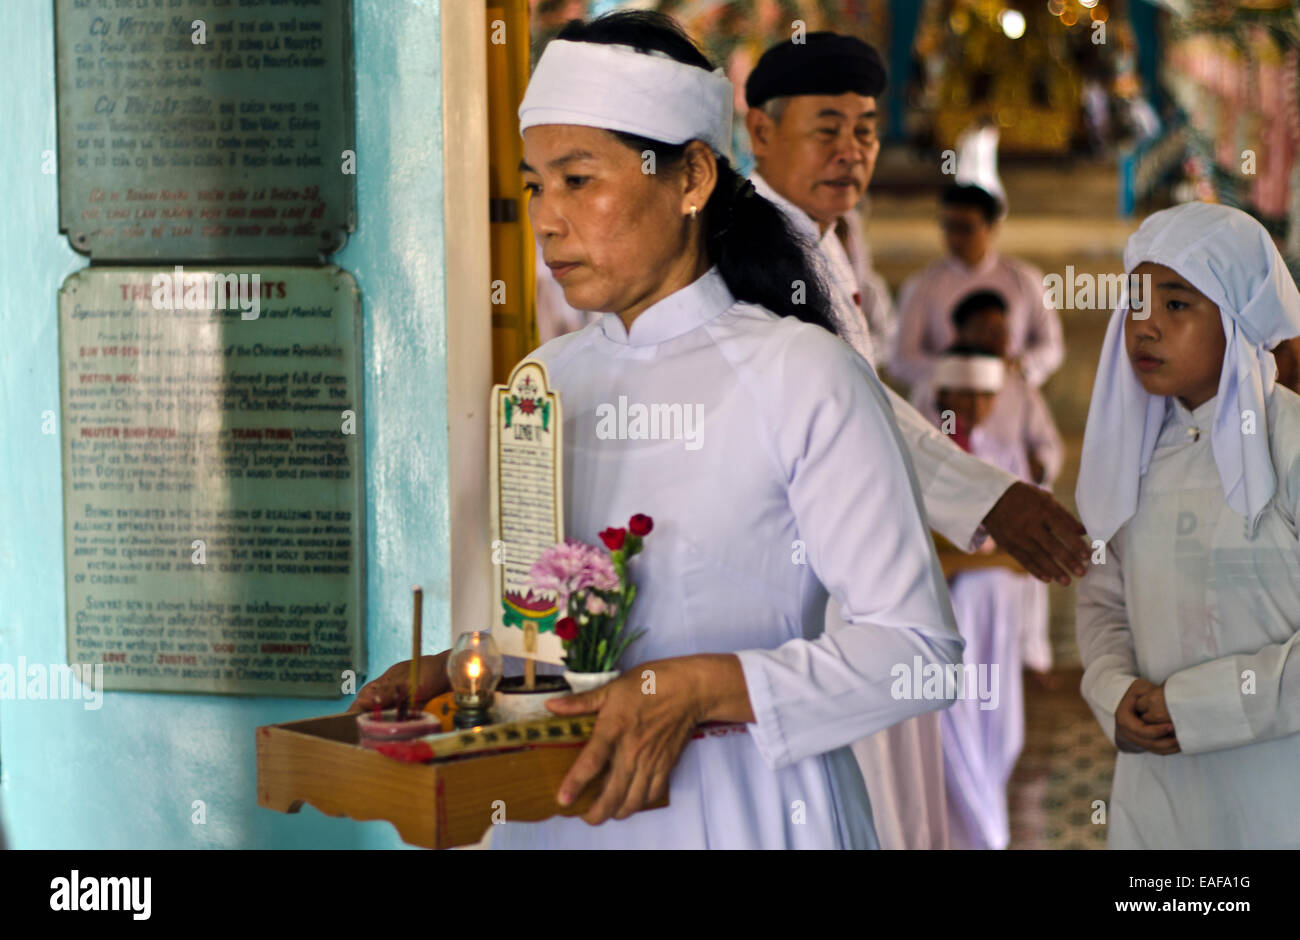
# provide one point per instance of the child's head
(966, 383)
(980, 319)
(1216, 298)
(1177, 348)
(968, 216)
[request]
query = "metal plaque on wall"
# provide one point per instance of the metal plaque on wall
(213, 501)
(194, 130)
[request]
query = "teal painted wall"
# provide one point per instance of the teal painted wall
(125, 776)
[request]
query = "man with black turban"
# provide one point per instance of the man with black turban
(802, 97)
(812, 126)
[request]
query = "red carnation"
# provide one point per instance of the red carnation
(641, 524)
(566, 628)
(613, 538)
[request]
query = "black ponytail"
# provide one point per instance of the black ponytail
(763, 259)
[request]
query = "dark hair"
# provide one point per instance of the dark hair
(760, 256)
(961, 194)
(977, 302)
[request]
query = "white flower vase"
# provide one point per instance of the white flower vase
(586, 681)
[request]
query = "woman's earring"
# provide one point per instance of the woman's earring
(694, 210)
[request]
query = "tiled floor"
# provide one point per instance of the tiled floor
(1065, 767)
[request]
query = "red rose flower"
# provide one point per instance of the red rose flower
(641, 524)
(613, 538)
(566, 628)
(527, 405)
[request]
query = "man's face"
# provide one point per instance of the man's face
(967, 235)
(821, 153)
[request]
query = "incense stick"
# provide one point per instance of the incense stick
(415, 643)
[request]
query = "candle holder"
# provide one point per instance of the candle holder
(474, 669)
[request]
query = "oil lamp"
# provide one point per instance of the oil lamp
(474, 669)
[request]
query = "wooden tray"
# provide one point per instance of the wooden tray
(437, 805)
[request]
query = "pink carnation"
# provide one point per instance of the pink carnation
(570, 567)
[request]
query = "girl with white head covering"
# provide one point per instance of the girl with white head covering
(711, 308)
(1191, 475)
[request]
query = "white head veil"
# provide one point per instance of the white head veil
(1230, 258)
(620, 89)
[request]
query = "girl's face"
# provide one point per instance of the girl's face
(1178, 348)
(615, 237)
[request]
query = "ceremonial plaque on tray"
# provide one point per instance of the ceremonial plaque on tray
(212, 479)
(205, 129)
(527, 494)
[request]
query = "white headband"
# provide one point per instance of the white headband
(619, 89)
(971, 373)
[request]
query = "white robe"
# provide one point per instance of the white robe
(902, 764)
(1021, 419)
(927, 299)
(981, 745)
(1186, 599)
(799, 484)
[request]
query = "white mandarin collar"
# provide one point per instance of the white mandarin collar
(1183, 424)
(680, 312)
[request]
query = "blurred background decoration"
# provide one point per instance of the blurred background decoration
(1169, 93)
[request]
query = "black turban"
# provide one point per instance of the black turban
(824, 64)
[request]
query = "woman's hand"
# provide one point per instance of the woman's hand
(642, 725)
(1134, 732)
(394, 685)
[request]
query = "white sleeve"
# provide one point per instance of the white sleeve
(1044, 343)
(958, 489)
(910, 361)
(1042, 437)
(1105, 642)
(854, 498)
(1237, 700)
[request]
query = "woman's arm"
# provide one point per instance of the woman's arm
(1044, 340)
(856, 505)
(909, 360)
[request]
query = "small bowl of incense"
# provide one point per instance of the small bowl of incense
(395, 724)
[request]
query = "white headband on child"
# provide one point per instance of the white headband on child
(620, 89)
(1230, 258)
(969, 373)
